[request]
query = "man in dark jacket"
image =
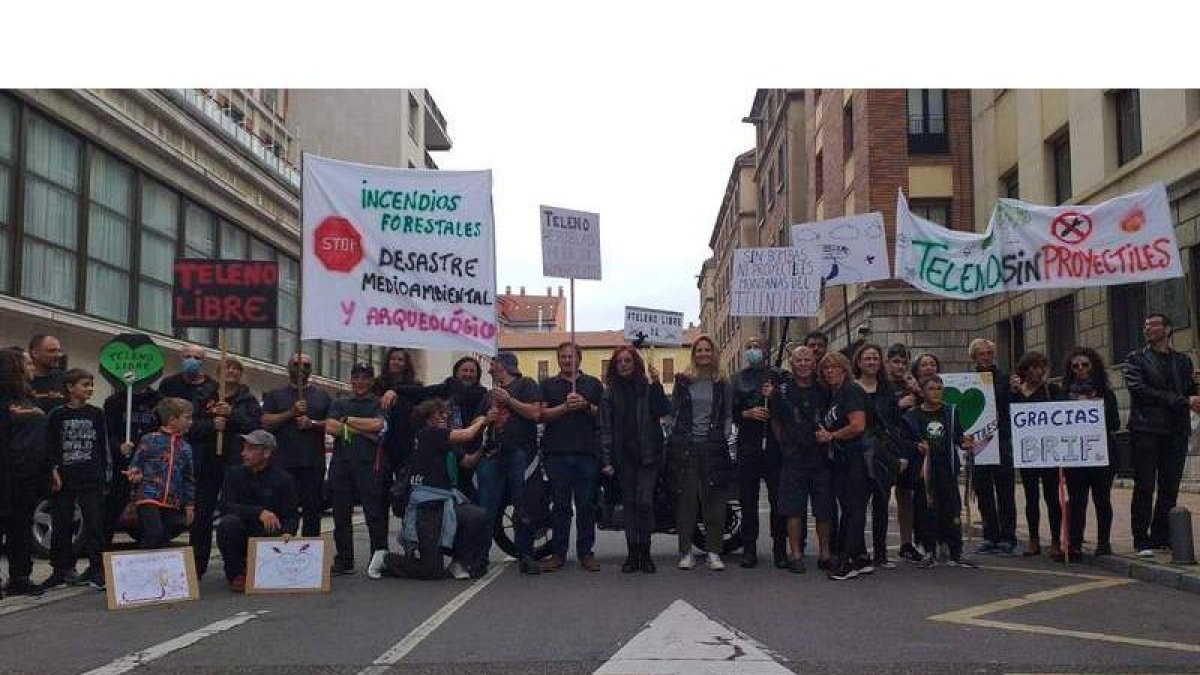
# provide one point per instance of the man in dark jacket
(196, 387)
(1162, 392)
(758, 453)
(49, 387)
(995, 485)
(356, 424)
(258, 499)
(296, 415)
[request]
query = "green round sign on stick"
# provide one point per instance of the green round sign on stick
(130, 358)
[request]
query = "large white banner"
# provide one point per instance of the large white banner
(1124, 240)
(570, 243)
(853, 249)
(398, 257)
(1060, 433)
(653, 326)
(974, 397)
(775, 282)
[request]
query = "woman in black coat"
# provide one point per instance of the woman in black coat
(631, 446)
(1032, 371)
(1087, 380)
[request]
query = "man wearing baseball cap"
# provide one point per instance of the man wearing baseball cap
(356, 423)
(258, 499)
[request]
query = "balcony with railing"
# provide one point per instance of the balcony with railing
(927, 134)
(436, 137)
(211, 113)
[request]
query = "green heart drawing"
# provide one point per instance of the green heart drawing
(130, 352)
(970, 404)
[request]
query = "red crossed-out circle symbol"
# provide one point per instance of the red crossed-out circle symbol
(337, 244)
(1071, 227)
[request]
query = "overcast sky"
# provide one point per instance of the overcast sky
(652, 158)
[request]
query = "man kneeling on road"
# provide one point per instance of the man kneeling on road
(258, 499)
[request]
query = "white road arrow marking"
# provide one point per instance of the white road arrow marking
(683, 640)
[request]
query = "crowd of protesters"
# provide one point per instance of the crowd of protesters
(834, 436)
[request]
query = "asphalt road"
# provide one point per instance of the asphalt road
(1015, 616)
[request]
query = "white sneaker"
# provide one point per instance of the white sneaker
(457, 571)
(1146, 553)
(687, 562)
(715, 563)
(375, 567)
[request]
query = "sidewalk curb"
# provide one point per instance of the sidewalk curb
(1154, 573)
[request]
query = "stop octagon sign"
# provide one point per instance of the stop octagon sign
(337, 244)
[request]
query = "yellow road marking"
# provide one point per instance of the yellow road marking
(973, 616)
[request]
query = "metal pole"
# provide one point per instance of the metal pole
(129, 406)
(573, 330)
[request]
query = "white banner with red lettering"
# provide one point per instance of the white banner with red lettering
(398, 257)
(1126, 239)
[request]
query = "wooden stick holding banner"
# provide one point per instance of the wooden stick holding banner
(577, 365)
(221, 388)
(1064, 505)
(846, 318)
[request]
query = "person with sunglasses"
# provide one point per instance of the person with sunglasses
(1087, 380)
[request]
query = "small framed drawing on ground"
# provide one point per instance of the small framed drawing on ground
(139, 578)
(298, 565)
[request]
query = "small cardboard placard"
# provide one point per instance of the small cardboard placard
(158, 577)
(299, 565)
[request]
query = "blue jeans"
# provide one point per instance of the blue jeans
(503, 474)
(573, 476)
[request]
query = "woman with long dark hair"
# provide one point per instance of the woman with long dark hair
(1087, 380)
(631, 446)
(1031, 371)
(884, 438)
(24, 472)
(702, 452)
(398, 371)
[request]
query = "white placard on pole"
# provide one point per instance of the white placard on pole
(653, 326)
(570, 243)
(853, 249)
(1059, 433)
(783, 281)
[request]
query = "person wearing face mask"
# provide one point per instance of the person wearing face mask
(758, 453)
(296, 414)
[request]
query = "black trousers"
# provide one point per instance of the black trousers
(852, 486)
(62, 514)
(347, 479)
(1047, 481)
(309, 481)
(1096, 481)
(233, 538)
(114, 505)
(23, 498)
(637, 498)
(754, 467)
(472, 539)
(880, 500)
(159, 525)
(209, 480)
(941, 521)
(995, 492)
(1158, 460)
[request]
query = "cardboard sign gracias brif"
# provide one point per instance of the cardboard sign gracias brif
(130, 354)
(1059, 433)
(225, 294)
(653, 327)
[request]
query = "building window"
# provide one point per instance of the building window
(53, 179)
(234, 247)
(603, 368)
(1060, 164)
(668, 370)
(1010, 340)
(270, 98)
(1010, 184)
(414, 111)
(1129, 124)
(1126, 312)
(262, 340)
(1060, 332)
(159, 233)
(780, 168)
(819, 175)
(543, 370)
(200, 241)
(848, 129)
(328, 362)
(8, 158)
(289, 309)
(936, 210)
(927, 122)
(345, 360)
(110, 235)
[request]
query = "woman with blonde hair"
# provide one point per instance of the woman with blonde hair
(702, 452)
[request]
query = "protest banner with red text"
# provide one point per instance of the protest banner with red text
(225, 294)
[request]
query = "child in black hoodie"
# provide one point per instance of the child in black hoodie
(77, 446)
